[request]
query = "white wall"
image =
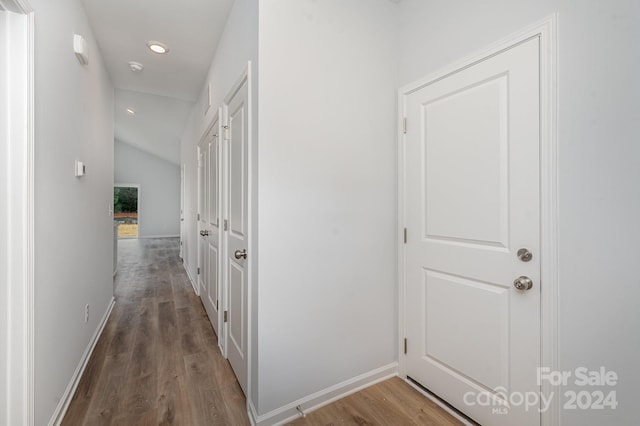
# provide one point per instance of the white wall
(327, 271)
(73, 228)
(599, 104)
(159, 193)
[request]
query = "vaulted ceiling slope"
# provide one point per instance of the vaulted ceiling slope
(170, 83)
(156, 126)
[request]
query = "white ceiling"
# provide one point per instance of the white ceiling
(156, 126)
(163, 92)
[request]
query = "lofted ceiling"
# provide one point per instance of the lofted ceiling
(163, 92)
(156, 125)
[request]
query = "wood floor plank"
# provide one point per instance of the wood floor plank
(209, 407)
(104, 406)
(424, 411)
(148, 418)
(235, 404)
(174, 405)
(141, 396)
(180, 294)
(190, 337)
(389, 403)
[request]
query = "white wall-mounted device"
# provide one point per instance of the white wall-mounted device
(81, 49)
(80, 169)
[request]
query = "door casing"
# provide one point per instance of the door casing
(17, 179)
(546, 31)
(131, 185)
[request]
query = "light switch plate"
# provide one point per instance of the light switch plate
(81, 49)
(80, 169)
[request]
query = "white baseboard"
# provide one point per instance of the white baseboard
(159, 236)
(319, 399)
(191, 280)
(252, 412)
(63, 405)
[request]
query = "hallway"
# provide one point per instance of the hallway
(157, 361)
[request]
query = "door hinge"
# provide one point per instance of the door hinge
(226, 132)
(404, 125)
(225, 316)
(216, 304)
(405, 235)
(198, 271)
(405, 345)
(226, 225)
(198, 216)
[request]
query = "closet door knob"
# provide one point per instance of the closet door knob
(524, 255)
(523, 283)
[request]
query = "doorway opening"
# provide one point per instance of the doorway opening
(125, 210)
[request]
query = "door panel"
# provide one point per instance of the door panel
(237, 174)
(236, 298)
(454, 303)
(202, 225)
(236, 237)
(479, 153)
(472, 200)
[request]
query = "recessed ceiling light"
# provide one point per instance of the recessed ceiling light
(131, 111)
(136, 66)
(157, 47)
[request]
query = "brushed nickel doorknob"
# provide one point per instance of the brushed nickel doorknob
(240, 254)
(524, 254)
(523, 283)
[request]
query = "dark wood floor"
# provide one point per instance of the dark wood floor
(158, 363)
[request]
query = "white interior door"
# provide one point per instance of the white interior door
(236, 234)
(202, 214)
(210, 232)
(472, 200)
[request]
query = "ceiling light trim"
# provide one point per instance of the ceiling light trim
(158, 47)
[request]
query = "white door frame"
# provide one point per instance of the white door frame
(130, 185)
(546, 31)
(17, 179)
